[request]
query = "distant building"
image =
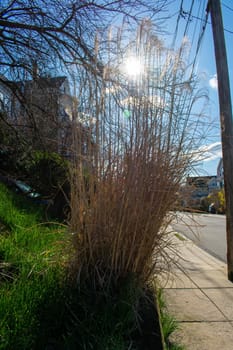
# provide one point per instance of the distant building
(5, 96)
(202, 186)
(42, 110)
(213, 184)
(198, 187)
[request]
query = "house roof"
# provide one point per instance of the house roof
(45, 82)
(199, 181)
(40, 83)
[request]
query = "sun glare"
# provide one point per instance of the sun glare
(133, 67)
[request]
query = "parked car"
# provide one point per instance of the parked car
(212, 208)
(25, 189)
(22, 188)
(58, 206)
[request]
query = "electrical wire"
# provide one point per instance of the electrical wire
(188, 15)
(201, 19)
(177, 24)
(200, 39)
(228, 7)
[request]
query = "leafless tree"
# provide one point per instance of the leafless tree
(41, 37)
(60, 31)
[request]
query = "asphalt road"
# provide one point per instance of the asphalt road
(208, 231)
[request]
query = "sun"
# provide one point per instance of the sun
(133, 67)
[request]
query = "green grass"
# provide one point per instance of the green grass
(180, 237)
(38, 304)
(169, 324)
(99, 320)
(31, 268)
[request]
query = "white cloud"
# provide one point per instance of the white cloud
(208, 152)
(213, 82)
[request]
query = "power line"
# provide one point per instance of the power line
(195, 27)
(186, 28)
(201, 19)
(228, 7)
(177, 24)
(189, 13)
(189, 16)
(201, 36)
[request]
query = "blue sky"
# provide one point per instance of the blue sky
(206, 68)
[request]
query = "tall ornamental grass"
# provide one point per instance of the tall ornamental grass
(135, 136)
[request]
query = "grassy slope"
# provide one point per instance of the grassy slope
(36, 308)
(30, 269)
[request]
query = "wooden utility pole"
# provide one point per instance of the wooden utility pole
(226, 121)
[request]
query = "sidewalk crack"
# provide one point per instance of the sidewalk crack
(206, 295)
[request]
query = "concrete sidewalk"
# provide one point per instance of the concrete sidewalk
(200, 297)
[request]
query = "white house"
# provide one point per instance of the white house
(5, 95)
(41, 109)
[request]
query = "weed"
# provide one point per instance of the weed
(169, 324)
(180, 237)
